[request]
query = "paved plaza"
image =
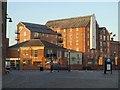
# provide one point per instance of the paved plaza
(62, 79)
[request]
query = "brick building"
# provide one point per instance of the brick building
(83, 34)
(26, 31)
(115, 51)
(104, 44)
(33, 53)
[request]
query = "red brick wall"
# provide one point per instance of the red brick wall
(52, 38)
(30, 56)
(21, 35)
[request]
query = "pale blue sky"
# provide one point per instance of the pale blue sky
(40, 12)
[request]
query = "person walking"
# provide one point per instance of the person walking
(51, 66)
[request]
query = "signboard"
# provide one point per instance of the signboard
(108, 67)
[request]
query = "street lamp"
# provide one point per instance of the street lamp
(114, 59)
(18, 58)
(69, 62)
(7, 17)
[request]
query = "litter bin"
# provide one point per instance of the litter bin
(108, 65)
(41, 69)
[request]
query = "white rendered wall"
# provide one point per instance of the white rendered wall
(93, 32)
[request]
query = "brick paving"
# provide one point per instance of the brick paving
(62, 79)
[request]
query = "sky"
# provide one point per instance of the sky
(40, 12)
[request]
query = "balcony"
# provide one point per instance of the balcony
(60, 40)
(59, 34)
(17, 39)
(16, 32)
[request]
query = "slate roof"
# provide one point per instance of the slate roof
(69, 22)
(35, 42)
(38, 28)
(48, 44)
(101, 28)
(32, 42)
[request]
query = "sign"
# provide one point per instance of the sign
(108, 67)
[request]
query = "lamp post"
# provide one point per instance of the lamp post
(18, 58)
(7, 17)
(69, 62)
(114, 60)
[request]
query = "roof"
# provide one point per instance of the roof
(69, 22)
(74, 51)
(101, 29)
(32, 42)
(48, 44)
(115, 42)
(38, 28)
(35, 42)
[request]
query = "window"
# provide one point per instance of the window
(88, 43)
(20, 28)
(105, 50)
(51, 41)
(70, 36)
(24, 39)
(77, 35)
(100, 36)
(36, 34)
(70, 29)
(103, 31)
(104, 44)
(77, 42)
(104, 38)
(56, 36)
(35, 53)
(101, 50)
(108, 44)
(70, 43)
(25, 52)
(47, 35)
(24, 33)
(77, 49)
(36, 63)
(58, 31)
(76, 29)
(64, 30)
(48, 51)
(108, 50)
(101, 44)
(108, 37)
(88, 50)
(88, 35)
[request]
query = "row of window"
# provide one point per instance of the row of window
(42, 34)
(71, 29)
(104, 37)
(35, 53)
(105, 44)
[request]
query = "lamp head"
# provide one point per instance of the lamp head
(10, 20)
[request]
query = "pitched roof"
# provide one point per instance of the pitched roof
(38, 28)
(69, 22)
(32, 42)
(35, 42)
(101, 29)
(48, 44)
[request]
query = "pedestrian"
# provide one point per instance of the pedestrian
(51, 66)
(58, 65)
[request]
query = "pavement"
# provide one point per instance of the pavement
(62, 79)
